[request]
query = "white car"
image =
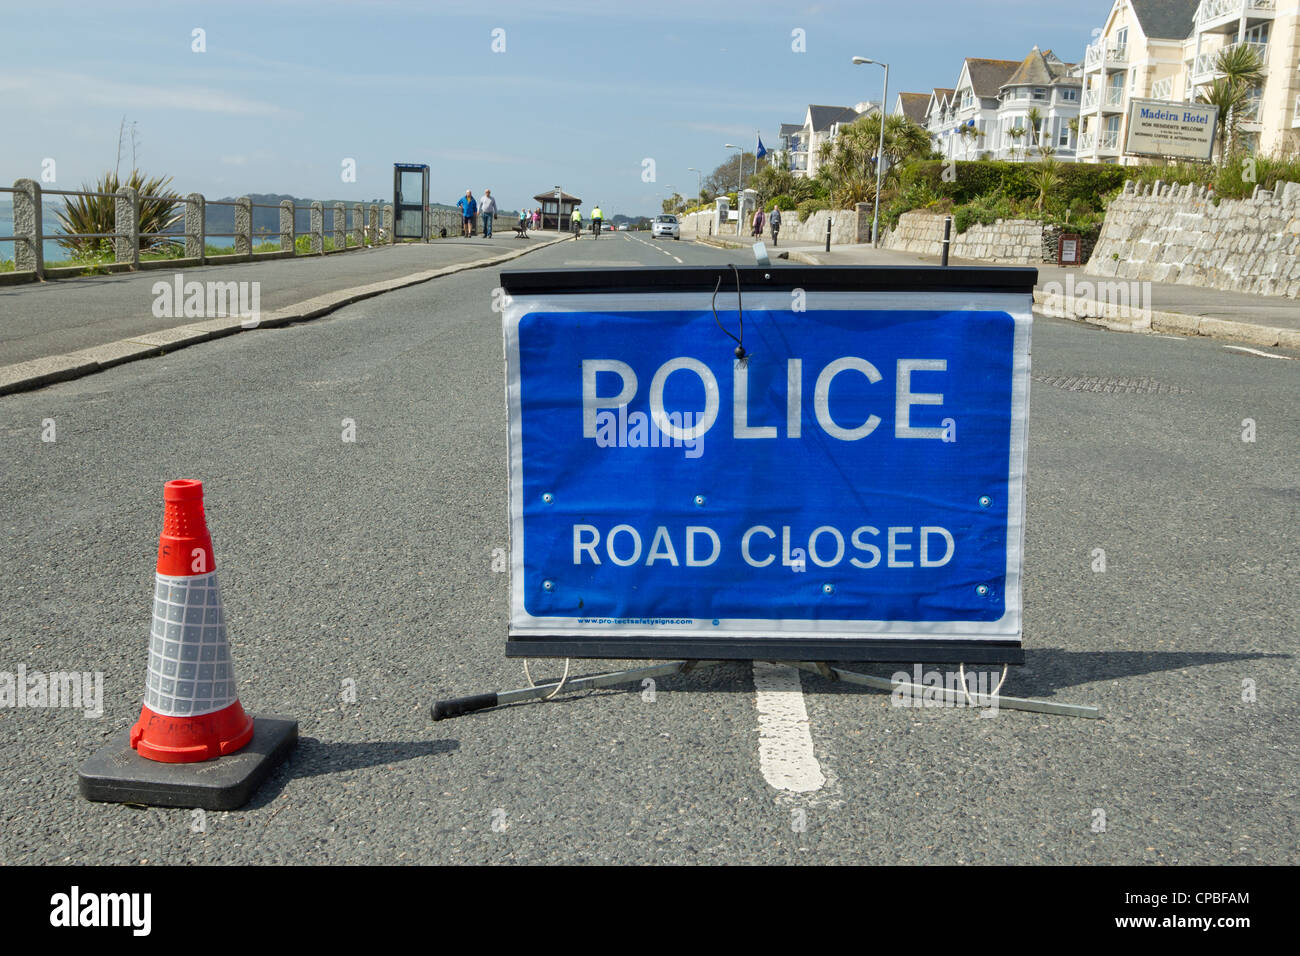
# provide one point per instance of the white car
(665, 226)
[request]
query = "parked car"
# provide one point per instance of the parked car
(665, 226)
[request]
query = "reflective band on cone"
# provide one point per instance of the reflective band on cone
(191, 709)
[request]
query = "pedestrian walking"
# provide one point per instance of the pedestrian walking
(468, 209)
(758, 223)
(488, 210)
(774, 221)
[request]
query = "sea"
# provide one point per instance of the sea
(50, 222)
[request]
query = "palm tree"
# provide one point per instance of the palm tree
(98, 214)
(1035, 121)
(1046, 178)
(1230, 98)
(1016, 133)
(1241, 71)
(1073, 125)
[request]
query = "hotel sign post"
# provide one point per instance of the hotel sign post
(1172, 130)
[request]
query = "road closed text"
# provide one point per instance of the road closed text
(760, 546)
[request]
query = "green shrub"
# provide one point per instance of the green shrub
(810, 207)
(783, 202)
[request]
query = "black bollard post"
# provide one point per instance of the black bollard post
(947, 238)
(828, 233)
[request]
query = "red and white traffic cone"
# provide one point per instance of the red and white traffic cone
(191, 709)
(191, 704)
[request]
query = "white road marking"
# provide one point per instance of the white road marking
(785, 747)
(1242, 348)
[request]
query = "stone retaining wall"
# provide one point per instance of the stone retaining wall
(1175, 233)
(848, 226)
(1007, 240)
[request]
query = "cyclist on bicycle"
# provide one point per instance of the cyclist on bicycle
(597, 221)
(575, 220)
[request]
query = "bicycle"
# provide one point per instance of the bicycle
(595, 228)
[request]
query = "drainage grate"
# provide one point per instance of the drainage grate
(1110, 386)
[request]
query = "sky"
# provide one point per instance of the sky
(516, 97)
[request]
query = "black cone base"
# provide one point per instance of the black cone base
(117, 774)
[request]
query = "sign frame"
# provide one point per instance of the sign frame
(1061, 240)
(1129, 131)
(918, 288)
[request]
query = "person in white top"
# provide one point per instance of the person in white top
(488, 210)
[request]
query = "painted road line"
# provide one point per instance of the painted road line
(1242, 348)
(785, 747)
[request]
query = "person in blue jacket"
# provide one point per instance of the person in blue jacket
(468, 210)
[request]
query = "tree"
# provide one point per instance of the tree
(1035, 123)
(847, 167)
(1016, 133)
(1242, 70)
(723, 179)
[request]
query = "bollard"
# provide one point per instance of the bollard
(828, 233)
(947, 239)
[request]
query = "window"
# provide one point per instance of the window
(1070, 95)
(1040, 94)
(1064, 139)
(1257, 34)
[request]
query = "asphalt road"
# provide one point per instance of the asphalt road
(372, 562)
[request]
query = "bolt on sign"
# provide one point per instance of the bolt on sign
(852, 488)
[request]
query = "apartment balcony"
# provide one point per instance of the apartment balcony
(1099, 56)
(1223, 16)
(1105, 142)
(1204, 70)
(1111, 100)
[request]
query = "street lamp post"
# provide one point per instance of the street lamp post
(558, 194)
(880, 154)
(699, 199)
(740, 168)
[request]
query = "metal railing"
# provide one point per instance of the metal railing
(1162, 89)
(1229, 10)
(1105, 54)
(372, 224)
(1205, 66)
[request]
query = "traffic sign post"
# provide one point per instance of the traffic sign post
(802, 464)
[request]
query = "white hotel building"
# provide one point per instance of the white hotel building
(1167, 49)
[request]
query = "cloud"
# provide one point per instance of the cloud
(70, 89)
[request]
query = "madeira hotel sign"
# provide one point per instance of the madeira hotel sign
(1170, 129)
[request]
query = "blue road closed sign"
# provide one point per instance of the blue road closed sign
(851, 489)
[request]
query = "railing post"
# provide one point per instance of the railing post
(359, 223)
(196, 221)
(373, 233)
(388, 223)
(287, 226)
(340, 226)
(29, 248)
(243, 226)
(126, 245)
(317, 229)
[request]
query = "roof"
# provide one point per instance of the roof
(564, 197)
(824, 117)
(1039, 69)
(1166, 19)
(790, 129)
(988, 76)
(914, 105)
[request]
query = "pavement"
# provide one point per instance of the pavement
(1162, 307)
(65, 328)
(368, 566)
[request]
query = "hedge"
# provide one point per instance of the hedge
(1079, 182)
